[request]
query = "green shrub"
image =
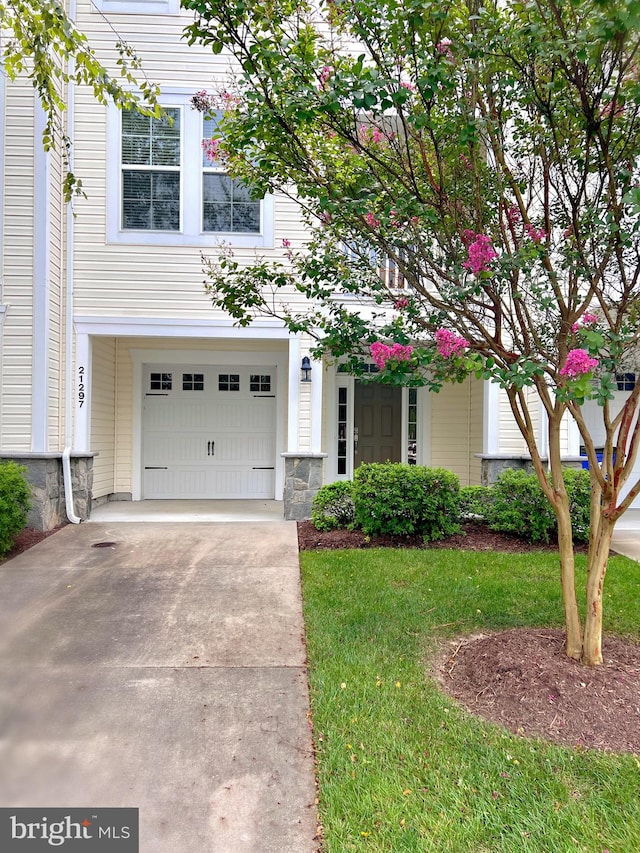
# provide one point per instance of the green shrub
(475, 503)
(403, 499)
(520, 506)
(578, 486)
(332, 507)
(15, 501)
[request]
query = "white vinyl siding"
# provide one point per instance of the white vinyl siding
(17, 293)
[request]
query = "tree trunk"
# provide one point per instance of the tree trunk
(597, 567)
(567, 578)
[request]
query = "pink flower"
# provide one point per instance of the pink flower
(444, 48)
(536, 234)
(466, 162)
(480, 253)
(578, 363)
(513, 215)
(371, 220)
(229, 101)
(211, 148)
(586, 321)
(401, 303)
(381, 353)
(285, 243)
(408, 86)
(448, 343)
(324, 76)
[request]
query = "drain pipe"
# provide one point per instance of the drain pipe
(68, 417)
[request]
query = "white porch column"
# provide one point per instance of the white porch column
(81, 391)
(491, 416)
(293, 420)
(317, 375)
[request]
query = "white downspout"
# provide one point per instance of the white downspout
(68, 397)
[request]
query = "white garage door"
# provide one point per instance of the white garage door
(209, 432)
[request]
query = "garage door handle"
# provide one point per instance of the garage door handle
(211, 448)
(263, 468)
(155, 468)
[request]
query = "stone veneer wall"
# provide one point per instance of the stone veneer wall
(44, 473)
(492, 466)
(303, 477)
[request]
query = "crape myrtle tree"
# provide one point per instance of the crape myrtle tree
(39, 39)
(491, 154)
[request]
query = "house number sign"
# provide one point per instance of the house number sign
(80, 386)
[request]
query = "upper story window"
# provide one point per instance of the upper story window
(163, 189)
(151, 171)
(227, 205)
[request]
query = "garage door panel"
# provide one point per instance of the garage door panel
(220, 445)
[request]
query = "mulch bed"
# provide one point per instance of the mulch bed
(27, 539)
(521, 678)
(472, 537)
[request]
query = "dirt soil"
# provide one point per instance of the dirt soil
(521, 678)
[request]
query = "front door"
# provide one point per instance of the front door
(377, 421)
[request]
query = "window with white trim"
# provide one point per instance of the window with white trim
(151, 171)
(162, 189)
(227, 206)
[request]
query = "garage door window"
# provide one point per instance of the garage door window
(193, 381)
(160, 382)
(228, 382)
(259, 383)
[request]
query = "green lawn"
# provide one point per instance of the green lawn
(401, 767)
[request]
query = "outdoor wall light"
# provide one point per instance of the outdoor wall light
(306, 369)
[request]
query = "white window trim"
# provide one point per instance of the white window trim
(191, 233)
(138, 7)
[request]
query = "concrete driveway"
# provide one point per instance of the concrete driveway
(161, 666)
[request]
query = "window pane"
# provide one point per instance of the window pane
(136, 150)
(150, 142)
(151, 200)
(246, 217)
(209, 126)
(217, 217)
(241, 192)
(217, 188)
(225, 205)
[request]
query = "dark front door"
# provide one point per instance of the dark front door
(377, 421)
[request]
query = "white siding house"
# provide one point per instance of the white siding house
(111, 350)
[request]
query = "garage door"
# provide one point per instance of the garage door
(209, 432)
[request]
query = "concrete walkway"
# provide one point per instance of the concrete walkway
(626, 537)
(161, 666)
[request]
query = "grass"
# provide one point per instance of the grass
(403, 768)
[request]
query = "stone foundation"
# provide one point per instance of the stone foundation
(492, 466)
(303, 477)
(44, 473)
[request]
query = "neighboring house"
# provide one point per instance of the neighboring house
(111, 351)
